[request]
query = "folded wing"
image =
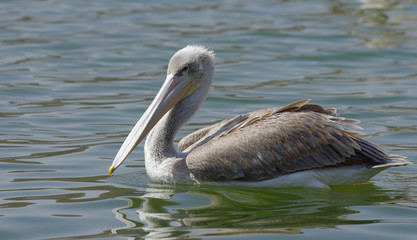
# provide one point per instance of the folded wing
(277, 141)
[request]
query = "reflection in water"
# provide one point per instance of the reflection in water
(200, 211)
(382, 34)
(124, 218)
(381, 24)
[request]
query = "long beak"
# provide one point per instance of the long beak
(173, 91)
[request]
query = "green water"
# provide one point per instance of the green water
(76, 75)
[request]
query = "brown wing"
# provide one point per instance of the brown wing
(205, 134)
(193, 137)
(272, 142)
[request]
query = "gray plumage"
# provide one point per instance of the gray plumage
(272, 142)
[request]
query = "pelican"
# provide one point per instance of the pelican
(299, 144)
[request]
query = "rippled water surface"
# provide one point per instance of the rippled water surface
(76, 75)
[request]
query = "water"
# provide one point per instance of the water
(76, 75)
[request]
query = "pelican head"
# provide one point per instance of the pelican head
(190, 72)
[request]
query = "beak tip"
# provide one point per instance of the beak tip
(111, 170)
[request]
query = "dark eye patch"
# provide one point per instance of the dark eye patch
(185, 69)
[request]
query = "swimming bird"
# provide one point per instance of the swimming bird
(299, 144)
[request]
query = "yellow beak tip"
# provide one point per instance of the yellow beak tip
(111, 170)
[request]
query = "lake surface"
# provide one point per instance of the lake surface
(76, 75)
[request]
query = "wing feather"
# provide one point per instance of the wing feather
(272, 142)
(193, 137)
(206, 133)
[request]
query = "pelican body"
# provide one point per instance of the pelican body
(299, 144)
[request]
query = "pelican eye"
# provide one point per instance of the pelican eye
(185, 69)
